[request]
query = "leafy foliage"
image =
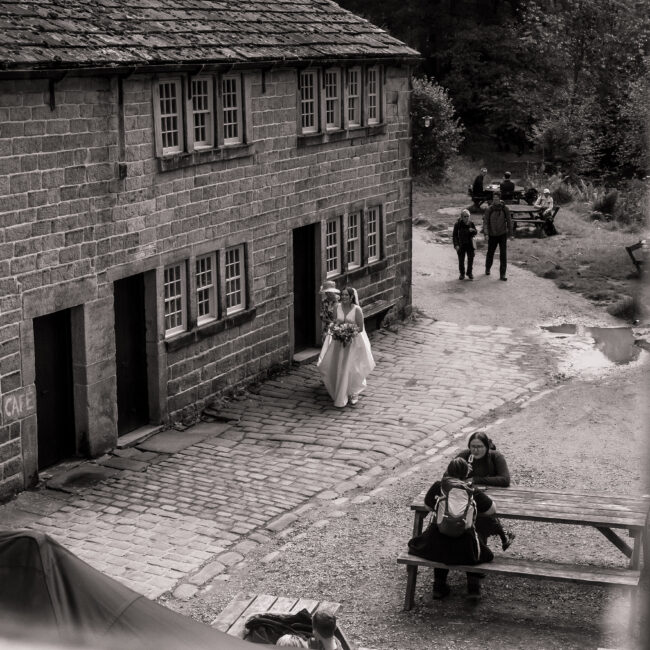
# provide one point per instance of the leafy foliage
(437, 132)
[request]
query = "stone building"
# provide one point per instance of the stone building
(176, 180)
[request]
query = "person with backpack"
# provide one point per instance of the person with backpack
(497, 227)
(487, 466)
(453, 537)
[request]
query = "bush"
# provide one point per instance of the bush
(606, 203)
(433, 145)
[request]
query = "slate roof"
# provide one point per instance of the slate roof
(114, 33)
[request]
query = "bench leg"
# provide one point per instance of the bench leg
(411, 580)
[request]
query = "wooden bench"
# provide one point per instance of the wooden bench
(620, 577)
(374, 312)
(232, 619)
(534, 221)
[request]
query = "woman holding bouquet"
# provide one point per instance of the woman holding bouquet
(346, 359)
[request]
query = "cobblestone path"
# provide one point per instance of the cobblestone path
(187, 517)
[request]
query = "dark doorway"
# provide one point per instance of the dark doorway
(305, 314)
(54, 388)
(131, 354)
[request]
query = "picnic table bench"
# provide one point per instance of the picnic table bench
(605, 513)
(529, 215)
(232, 619)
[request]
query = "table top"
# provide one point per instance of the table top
(495, 185)
(558, 506)
(523, 207)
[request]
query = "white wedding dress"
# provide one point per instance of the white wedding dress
(344, 368)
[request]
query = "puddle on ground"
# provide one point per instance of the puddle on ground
(565, 328)
(616, 343)
(594, 348)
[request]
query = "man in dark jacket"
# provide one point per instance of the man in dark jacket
(507, 188)
(497, 227)
(477, 186)
(463, 234)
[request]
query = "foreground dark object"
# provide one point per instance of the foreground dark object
(47, 593)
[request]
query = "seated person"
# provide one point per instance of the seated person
(468, 548)
(487, 466)
(477, 186)
(507, 188)
(545, 203)
(323, 627)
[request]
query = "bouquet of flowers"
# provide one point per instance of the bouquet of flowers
(343, 332)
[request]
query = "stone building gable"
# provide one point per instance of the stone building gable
(110, 33)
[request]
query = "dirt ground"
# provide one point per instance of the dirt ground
(588, 432)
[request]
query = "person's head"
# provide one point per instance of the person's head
(507, 175)
(479, 444)
(496, 197)
(289, 641)
(348, 297)
(458, 468)
(464, 215)
(546, 192)
(323, 624)
(329, 290)
(483, 171)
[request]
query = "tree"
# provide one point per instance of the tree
(437, 132)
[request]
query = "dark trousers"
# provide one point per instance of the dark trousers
(473, 580)
(502, 242)
(462, 251)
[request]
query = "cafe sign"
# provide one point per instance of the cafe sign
(19, 404)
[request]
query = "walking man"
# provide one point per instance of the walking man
(497, 227)
(463, 237)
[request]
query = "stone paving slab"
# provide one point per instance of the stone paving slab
(222, 485)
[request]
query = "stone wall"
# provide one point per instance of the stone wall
(84, 202)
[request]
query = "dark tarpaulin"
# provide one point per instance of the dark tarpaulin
(46, 592)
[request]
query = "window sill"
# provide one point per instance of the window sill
(364, 271)
(209, 329)
(203, 156)
(310, 139)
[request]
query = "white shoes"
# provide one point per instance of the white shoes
(354, 399)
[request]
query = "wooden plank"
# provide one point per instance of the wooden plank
(282, 605)
(536, 569)
(328, 606)
(259, 605)
(232, 612)
(616, 540)
(305, 603)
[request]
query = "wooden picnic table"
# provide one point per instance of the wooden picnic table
(604, 512)
(609, 514)
(232, 619)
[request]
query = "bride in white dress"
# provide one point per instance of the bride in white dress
(344, 368)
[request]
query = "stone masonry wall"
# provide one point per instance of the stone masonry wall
(83, 203)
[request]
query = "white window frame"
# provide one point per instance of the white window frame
(373, 94)
(353, 241)
(332, 94)
(206, 110)
(373, 233)
(234, 268)
(175, 299)
(309, 98)
(354, 96)
(205, 272)
(333, 247)
(167, 114)
(230, 108)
